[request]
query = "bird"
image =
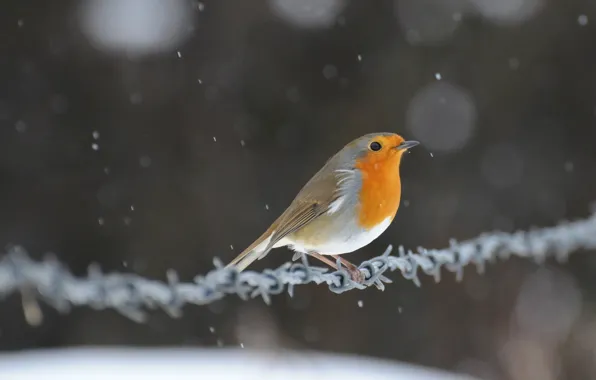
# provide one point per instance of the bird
(346, 205)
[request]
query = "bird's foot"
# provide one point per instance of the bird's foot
(356, 275)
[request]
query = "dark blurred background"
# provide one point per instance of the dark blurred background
(147, 134)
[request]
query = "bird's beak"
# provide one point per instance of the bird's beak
(407, 145)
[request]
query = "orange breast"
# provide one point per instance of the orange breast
(381, 190)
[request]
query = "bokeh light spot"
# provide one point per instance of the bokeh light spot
(442, 116)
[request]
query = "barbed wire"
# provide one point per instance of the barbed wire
(130, 294)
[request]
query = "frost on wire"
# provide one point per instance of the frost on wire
(130, 294)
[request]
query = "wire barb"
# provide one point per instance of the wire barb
(132, 295)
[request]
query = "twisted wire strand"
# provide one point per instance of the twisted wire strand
(130, 294)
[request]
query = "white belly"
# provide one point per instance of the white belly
(349, 240)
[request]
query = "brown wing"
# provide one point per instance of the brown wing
(301, 214)
(311, 202)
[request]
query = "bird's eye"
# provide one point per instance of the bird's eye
(375, 146)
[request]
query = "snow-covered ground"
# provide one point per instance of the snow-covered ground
(180, 364)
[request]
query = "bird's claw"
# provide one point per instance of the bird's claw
(356, 275)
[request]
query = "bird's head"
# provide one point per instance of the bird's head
(379, 148)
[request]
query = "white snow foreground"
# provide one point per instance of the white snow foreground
(181, 364)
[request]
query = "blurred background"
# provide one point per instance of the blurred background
(148, 134)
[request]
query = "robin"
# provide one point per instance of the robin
(345, 205)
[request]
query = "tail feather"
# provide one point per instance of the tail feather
(256, 251)
(246, 260)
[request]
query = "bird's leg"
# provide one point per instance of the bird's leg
(353, 270)
(318, 256)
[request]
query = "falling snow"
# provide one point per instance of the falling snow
(254, 95)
